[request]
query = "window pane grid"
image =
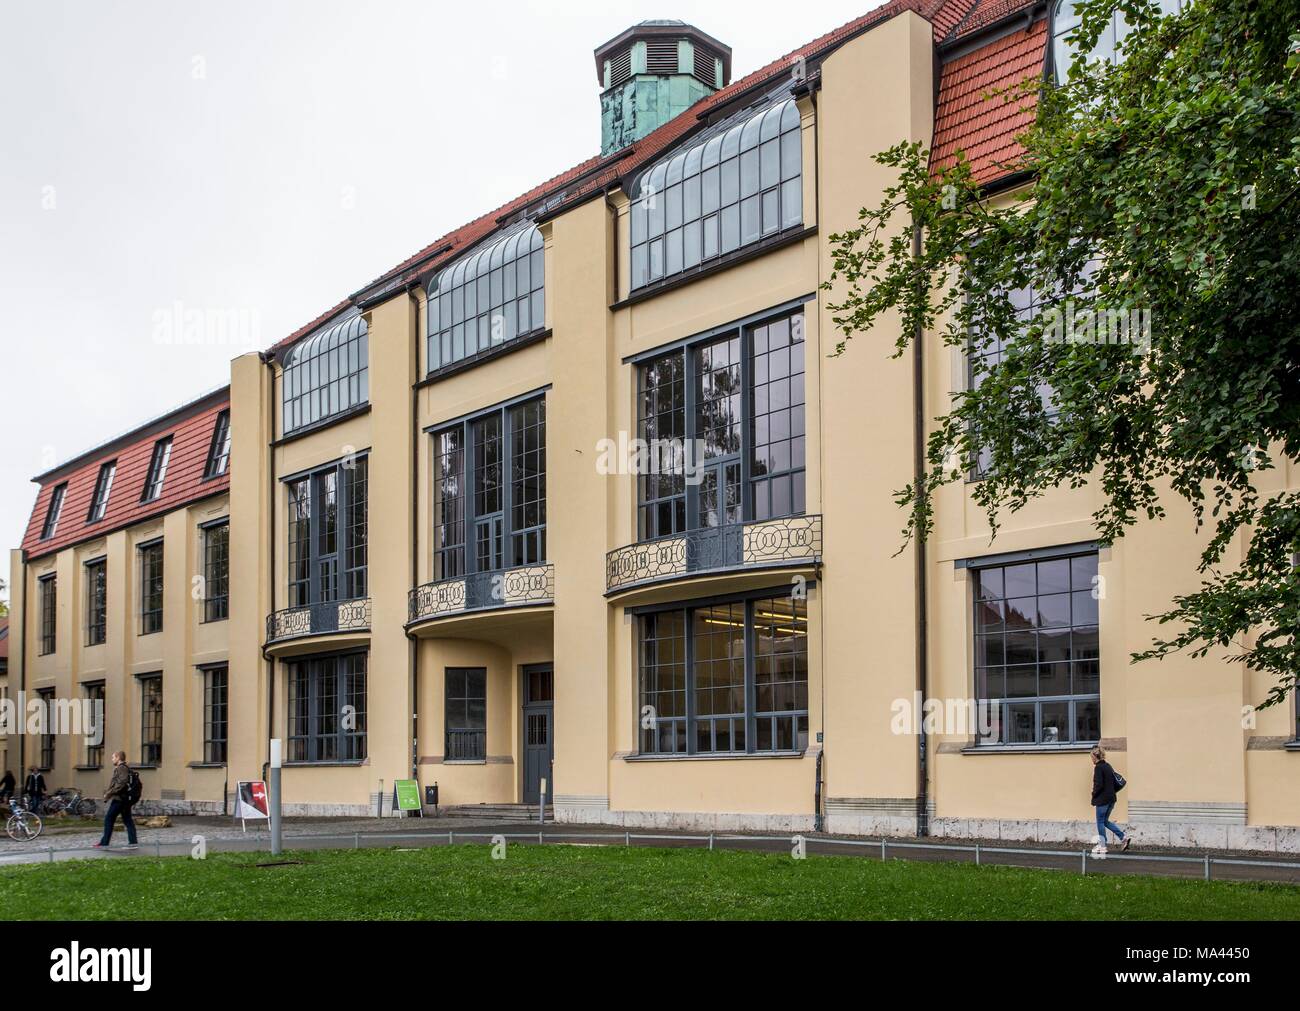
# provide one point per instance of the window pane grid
(151, 589)
(49, 598)
(215, 715)
(466, 714)
(487, 300)
(528, 477)
(327, 709)
(55, 512)
(449, 504)
(743, 669)
(326, 375)
(661, 424)
(151, 717)
(96, 603)
(718, 196)
(216, 573)
(94, 694)
(1037, 654)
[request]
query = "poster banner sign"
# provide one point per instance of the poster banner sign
(251, 802)
(406, 795)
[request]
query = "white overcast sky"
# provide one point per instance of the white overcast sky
(255, 161)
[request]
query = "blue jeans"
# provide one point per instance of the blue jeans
(1104, 822)
(115, 808)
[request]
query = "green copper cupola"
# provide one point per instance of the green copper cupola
(652, 73)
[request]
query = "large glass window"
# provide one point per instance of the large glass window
(488, 299)
(326, 375)
(216, 572)
(719, 195)
(730, 412)
(1037, 654)
(46, 696)
(96, 602)
(103, 489)
(502, 521)
(328, 539)
(49, 611)
(93, 693)
(216, 716)
(1107, 50)
(151, 720)
(466, 714)
(219, 451)
(151, 588)
(327, 709)
(724, 678)
(157, 477)
(54, 512)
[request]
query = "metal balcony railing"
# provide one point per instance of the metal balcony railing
(318, 619)
(527, 586)
(764, 544)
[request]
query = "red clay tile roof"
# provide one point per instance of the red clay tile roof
(951, 19)
(191, 431)
(969, 118)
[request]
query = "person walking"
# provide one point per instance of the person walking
(1106, 784)
(7, 786)
(35, 790)
(121, 795)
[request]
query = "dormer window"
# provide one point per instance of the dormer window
(327, 375)
(741, 185)
(103, 489)
(153, 485)
(488, 299)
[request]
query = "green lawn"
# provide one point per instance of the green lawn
(577, 883)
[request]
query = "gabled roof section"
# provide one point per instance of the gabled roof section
(958, 120)
(191, 429)
(974, 115)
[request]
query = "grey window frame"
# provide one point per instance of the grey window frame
(47, 752)
(325, 376)
(1107, 45)
(474, 306)
(96, 573)
(509, 546)
(93, 691)
(216, 571)
(1083, 558)
(103, 492)
(216, 714)
(328, 565)
(47, 592)
(55, 511)
(674, 213)
(151, 718)
(314, 718)
(152, 569)
(464, 743)
(689, 502)
(745, 722)
(159, 462)
(219, 450)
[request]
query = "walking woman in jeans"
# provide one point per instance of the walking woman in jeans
(1104, 790)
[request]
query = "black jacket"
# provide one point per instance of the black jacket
(1103, 784)
(8, 783)
(35, 785)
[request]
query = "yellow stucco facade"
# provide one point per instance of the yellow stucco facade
(1197, 773)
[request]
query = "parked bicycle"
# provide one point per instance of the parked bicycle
(23, 825)
(70, 800)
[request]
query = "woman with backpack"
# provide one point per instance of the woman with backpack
(122, 793)
(1106, 784)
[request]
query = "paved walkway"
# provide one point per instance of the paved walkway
(224, 835)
